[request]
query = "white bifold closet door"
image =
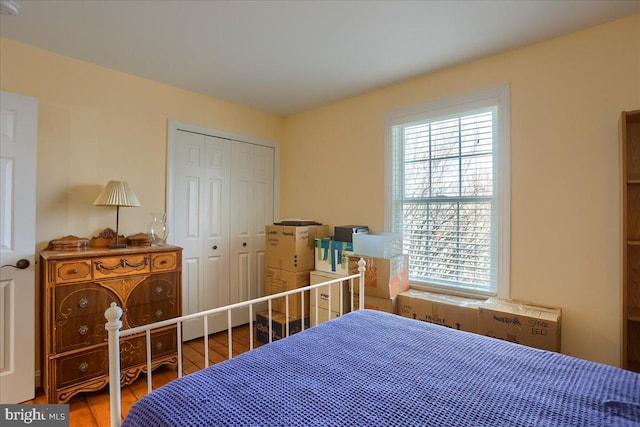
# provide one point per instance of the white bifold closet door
(223, 198)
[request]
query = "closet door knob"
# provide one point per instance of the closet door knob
(214, 247)
(244, 244)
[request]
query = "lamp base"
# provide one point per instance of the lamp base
(118, 246)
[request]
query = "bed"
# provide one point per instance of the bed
(370, 368)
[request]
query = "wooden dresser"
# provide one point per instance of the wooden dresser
(78, 286)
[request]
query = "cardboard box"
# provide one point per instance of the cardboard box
(331, 255)
(292, 248)
(521, 323)
(277, 281)
(384, 277)
(278, 325)
(450, 311)
(344, 233)
(324, 315)
(336, 290)
(389, 305)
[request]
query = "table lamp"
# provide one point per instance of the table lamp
(117, 193)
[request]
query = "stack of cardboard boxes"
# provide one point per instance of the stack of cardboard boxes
(300, 255)
(289, 259)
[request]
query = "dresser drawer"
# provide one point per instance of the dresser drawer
(143, 314)
(81, 299)
(134, 351)
(78, 332)
(157, 287)
(82, 366)
(121, 266)
(72, 271)
(164, 261)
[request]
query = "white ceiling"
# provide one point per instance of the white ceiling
(285, 57)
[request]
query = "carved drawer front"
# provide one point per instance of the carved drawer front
(121, 266)
(82, 299)
(143, 314)
(134, 351)
(75, 271)
(83, 366)
(80, 331)
(162, 262)
(155, 288)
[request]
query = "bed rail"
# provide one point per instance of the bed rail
(114, 324)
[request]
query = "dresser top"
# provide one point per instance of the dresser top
(103, 251)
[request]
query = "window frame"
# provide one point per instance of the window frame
(499, 98)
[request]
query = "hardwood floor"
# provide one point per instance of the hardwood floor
(92, 409)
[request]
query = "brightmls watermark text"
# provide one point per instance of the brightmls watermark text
(34, 415)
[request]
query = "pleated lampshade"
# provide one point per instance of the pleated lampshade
(117, 193)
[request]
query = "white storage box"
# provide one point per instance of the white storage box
(378, 245)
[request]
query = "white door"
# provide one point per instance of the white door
(223, 196)
(201, 211)
(18, 128)
(252, 181)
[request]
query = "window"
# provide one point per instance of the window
(448, 191)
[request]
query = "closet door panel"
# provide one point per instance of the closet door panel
(189, 153)
(202, 169)
(242, 206)
(216, 228)
(263, 182)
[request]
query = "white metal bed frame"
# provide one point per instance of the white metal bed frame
(113, 325)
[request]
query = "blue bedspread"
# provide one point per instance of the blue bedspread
(369, 368)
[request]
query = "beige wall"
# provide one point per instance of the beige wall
(97, 124)
(566, 99)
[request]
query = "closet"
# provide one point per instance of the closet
(222, 195)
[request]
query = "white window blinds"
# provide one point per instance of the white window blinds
(445, 199)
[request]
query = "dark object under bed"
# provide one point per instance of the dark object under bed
(369, 368)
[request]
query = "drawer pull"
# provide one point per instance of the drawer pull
(83, 367)
(159, 290)
(159, 345)
(123, 263)
(83, 303)
(82, 330)
(101, 266)
(74, 271)
(163, 262)
(159, 314)
(126, 263)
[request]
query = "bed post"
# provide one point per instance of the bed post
(113, 325)
(361, 268)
